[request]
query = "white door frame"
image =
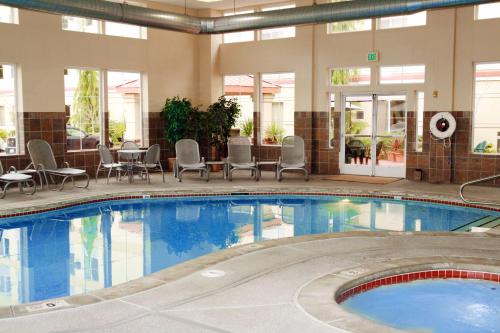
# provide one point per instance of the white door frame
(371, 169)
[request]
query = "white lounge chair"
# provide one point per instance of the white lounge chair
(43, 159)
(240, 157)
(292, 156)
(14, 177)
(188, 159)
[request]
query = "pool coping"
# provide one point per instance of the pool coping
(198, 264)
(176, 193)
(321, 298)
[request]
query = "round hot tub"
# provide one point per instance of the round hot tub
(438, 301)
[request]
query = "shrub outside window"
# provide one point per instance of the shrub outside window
(486, 117)
(355, 76)
(277, 107)
(402, 74)
(9, 120)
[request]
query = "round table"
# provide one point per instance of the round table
(132, 156)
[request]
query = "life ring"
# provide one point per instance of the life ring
(443, 125)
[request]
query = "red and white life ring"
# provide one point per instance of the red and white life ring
(443, 125)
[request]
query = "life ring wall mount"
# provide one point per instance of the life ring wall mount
(443, 125)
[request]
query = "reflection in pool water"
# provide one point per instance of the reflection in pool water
(90, 247)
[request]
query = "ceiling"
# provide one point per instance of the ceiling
(219, 4)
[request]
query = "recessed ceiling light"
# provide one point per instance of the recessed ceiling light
(209, 0)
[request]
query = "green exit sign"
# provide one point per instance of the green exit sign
(372, 56)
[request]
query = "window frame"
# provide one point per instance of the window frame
(331, 69)
(14, 15)
(255, 98)
(102, 100)
(101, 29)
(476, 12)
(142, 105)
(239, 11)
(401, 83)
(377, 22)
(473, 120)
(260, 134)
(17, 110)
(277, 6)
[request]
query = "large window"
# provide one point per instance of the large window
(419, 122)
(82, 95)
(237, 37)
(9, 15)
(402, 21)
(242, 88)
(488, 11)
(9, 129)
(486, 138)
(277, 107)
(355, 76)
(402, 74)
(125, 107)
(276, 33)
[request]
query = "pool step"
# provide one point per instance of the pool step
(487, 222)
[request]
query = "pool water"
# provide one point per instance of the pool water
(438, 306)
(95, 246)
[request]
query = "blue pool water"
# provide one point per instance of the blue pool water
(89, 247)
(438, 306)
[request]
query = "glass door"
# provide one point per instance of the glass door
(374, 135)
(390, 136)
(357, 121)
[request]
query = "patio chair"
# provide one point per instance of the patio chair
(480, 147)
(240, 157)
(43, 159)
(13, 177)
(128, 145)
(151, 161)
(188, 159)
(292, 156)
(107, 162)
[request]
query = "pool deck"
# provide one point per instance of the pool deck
(274, 286)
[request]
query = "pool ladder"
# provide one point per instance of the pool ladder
(477, 181)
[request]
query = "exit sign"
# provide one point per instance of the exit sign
(372, 56)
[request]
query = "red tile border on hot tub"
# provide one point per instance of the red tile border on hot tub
(180, 195)
(418, 275)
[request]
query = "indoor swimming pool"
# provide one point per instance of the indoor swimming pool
(93, 246)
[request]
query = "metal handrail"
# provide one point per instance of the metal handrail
(476, 181)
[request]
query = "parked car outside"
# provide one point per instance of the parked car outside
(77, 139)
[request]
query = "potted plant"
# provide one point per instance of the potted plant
(222, 116)
(273, 134)
(246, 128)
(178, 115)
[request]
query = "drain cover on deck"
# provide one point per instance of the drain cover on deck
(213, 273)
(51, 305)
